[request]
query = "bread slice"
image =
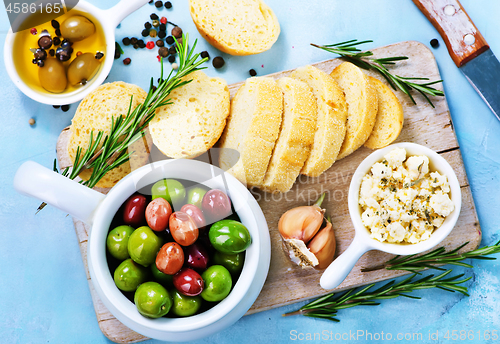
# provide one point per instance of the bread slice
(236, 27)
(330, 126)
(296, 135)
(252, 129)
(362, 105)
(194, 120)
(94, 113)
(390, 117)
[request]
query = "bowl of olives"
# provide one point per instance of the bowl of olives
(178, 249)
(61, 61)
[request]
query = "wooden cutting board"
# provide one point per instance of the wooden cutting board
(287, 283)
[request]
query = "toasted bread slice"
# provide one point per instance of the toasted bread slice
(362, 105)
(94, 114)
(194, 120)
(296, 135)
(236, 27)
(390, 117)
(252, 129)
(330, 126)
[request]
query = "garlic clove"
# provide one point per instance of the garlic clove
(299, 253)
(301, 223)
(323, 246)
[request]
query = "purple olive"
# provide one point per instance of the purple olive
(134, 211)
(196, 256)
(195, 214)
(216, 205)
(188, 282)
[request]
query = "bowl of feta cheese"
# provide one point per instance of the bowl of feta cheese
(403, 199)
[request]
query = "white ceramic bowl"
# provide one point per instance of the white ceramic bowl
(96, 209)
(108, 20)
(341, 266)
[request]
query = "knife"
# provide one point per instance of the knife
(467, 48)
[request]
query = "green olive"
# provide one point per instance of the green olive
(218, 283)
(82, 69)
(229, 236)
(152, 300)
(77, 28)
(184, 305)
(232, 262)
(52, 76)
(129, 275)
(117, 242)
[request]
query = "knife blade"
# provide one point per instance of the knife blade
(467, 48)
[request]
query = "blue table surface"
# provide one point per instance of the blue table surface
(44, 295)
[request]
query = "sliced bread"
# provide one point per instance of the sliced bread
(194, 120)
(330, 126)
(295, 138)
(362, 105)
(94, 114)
(251, 131)
(236, 27)
(390, 117)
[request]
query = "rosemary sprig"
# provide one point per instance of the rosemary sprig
(105, 153)
(349, 50)
(326, 307)
(439, 256)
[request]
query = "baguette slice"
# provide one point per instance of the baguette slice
(295, 138)
(94, 114)
(194, 120)
(362, 105)
(330, 126)
(390, 117)
(252, 129)
(236, 27)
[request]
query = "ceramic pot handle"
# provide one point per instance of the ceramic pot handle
(338, 270)
(35, 180)
(122, 9)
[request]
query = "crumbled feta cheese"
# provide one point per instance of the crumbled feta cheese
(402, 201)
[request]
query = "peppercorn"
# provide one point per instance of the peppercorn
(58, 32)
(163, 20)
(32, 121)
(172, 50)
(145, 33)
(168, 4)
(171, 59)
(177, 32)
(161, 34)
(434, 43)
(136, 46)
(170, 40)
(252, 72)
(150, 1)
(99, 55)
(45, 42)
(175, 66)
(55, 24)
(218, 62)
(52, 52)
(153, 33)
(159, 43)
(34, 31)
(204, 54)
(141, 43)
(117, 54)
(150, 45)
(133, 40)
(127, 61)
(40, 54)
(147, 25)
(56, 106)
(126, 41)
(158, 4)
(34, 61)
(156, 23)
(78, 53)
(163, 52)
(163, 27)
(40, 63)
(65, 108)
(153, 16)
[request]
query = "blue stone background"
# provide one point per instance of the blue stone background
(44, 295)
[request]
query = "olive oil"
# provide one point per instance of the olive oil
(25, 43)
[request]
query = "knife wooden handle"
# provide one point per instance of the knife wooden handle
(463, 39)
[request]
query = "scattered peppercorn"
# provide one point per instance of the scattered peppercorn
(145, 33)
(150, 45)
(65, 108)
(147, 25)
(153, 16)
(78, 53)
(204, 54)
(45, 42)
(127, 61)
(162, 34)
(252, 72)
(40, 63)
(158, 4)
(172, 50)
(168, 4)
(55, 24)
(136, 46)
(56, 41)
(171, 59)
(33, 31)
(163, 52)
(218, 62)
(52, 52)
(117, 54)
(434, 43)
(99, 55)
(163, 27)
(56, 106)
(34, 61)
(153, 33)
(150, 1)
(163, 20)
(156, 23)
(32, 121)
(133, 40)
(153, 88)
(160, 43)
(175, 66)
(58, 32)
(141, 43)
(126, 41)
(170, 40)
(40, 54)
(177, 32)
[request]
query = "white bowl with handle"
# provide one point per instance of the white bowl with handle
(98, 211)
(339, 269)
